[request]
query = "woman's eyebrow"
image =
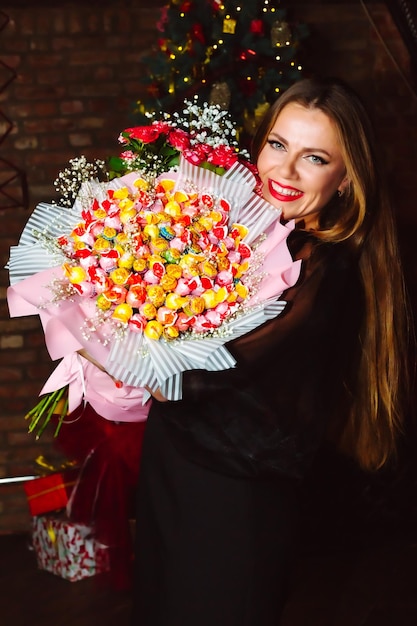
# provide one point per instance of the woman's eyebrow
(274, 135)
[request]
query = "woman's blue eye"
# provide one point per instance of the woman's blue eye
(316, 159)
(277, 145)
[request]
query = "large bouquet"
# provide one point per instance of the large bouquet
(154, 271)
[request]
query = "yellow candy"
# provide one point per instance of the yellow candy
(121, 193)
(79, 245)
(156, 295)
(223, 263)
(232, 297)
(153, 330)
(175, 302)
(108, 233)
(155, 258)
(190, 260)
(242, 230)
(148, 310)
(103, 303)
(100, 214)
(122, 238)
(126, 215)
(208, 269)
(139, 265)
(152, 218)
(159, 245)
(151, 231)
(126, 261)
(168, 283)
(141, 184)
(241, 269)
(120, 276)
(122, 313)
(173, 208)
(180, 196)
(167, 184)
(101, 244)
(210, 299)
(195, 305)
(242, 290)
(174, 270)
(126, 204)
(75, 275)
(206, 223)
(120, 249)
(170, 332)
(221, 294)
(216, 216)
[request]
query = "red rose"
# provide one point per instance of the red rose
(179, 139)
(162, 126)
(195, 155)
(222, 156)
(147, 134)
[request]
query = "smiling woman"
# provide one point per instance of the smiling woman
(221, 468)
(302, 173)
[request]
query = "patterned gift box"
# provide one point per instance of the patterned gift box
(51, 492)
(66, 549)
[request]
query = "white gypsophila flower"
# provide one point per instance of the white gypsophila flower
(69, 180)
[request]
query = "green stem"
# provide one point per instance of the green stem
(61, 418)
(55, 398)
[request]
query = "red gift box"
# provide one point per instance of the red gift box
(51, 492)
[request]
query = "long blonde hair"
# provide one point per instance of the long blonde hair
(363, 218)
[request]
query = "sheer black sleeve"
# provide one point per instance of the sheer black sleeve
(268, 413)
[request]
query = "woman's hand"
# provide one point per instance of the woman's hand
(88, 357)
(156, 393)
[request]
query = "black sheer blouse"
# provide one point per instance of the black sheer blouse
(267, 416)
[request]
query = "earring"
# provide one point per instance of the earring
(339, 193)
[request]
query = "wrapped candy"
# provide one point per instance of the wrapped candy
(186, 271)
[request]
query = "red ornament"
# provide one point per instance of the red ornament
(216, 4)
(197, 33)
(185, 7)
(245, 54)
(257, 27)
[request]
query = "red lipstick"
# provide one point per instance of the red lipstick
(281, 197)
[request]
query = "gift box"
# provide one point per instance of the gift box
(51, 492)
(67, 549)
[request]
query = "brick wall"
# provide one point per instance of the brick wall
(78, 69)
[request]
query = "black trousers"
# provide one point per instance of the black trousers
(211, 550)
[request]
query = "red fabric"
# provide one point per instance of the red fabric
(109, 455)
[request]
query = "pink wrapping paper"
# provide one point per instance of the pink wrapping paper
(62, 324)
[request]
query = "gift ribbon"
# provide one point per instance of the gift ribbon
(46, 491)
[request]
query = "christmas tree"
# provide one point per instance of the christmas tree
(237, 54)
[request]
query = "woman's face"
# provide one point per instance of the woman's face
(301, 165)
